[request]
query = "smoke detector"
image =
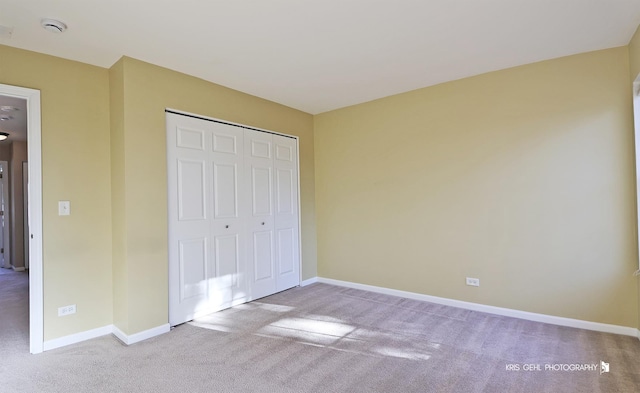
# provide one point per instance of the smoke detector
(5, 32)
(54, 26)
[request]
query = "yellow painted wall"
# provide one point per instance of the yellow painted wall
(634, 55)
(523, 178)
(75, 167)
(119, 268)
(148, 90)
(105, 160)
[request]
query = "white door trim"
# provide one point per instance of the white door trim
(636, 124)
(25, 210)
(7, 226)
(34, 151)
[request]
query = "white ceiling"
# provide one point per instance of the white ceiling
(319, 55)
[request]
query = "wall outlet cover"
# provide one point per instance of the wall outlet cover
(474, 282)
(66, 310)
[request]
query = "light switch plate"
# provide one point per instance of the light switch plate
(64, 208)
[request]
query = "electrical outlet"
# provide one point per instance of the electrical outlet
(66, 310)
(474, 282)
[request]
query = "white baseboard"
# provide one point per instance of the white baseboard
(310, 281)
(76, 338)
(120, 335)
(103, 331)
(19, 269)
(137, 337)
(575, 323)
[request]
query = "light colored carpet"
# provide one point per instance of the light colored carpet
(14, 314)
(323, 338)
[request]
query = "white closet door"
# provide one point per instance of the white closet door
(205, 231)
(189, 226)
(260, 221)
(286, 213)
(233, 215)
(228, 283)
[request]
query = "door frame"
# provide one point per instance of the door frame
(34, 153)
(25, 211)
(635, 88)
(5, 234)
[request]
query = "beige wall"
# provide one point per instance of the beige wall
(75, 167)
(148, 90)
(634, 55)
(5, 152)
(523, 178)
(119, 268)
(105, 160)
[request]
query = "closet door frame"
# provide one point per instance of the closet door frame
(297, 164)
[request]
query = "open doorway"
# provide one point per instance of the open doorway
(21, 149)
(14, 279)
(13, 152)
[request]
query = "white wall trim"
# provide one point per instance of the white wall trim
(575, 323)
(636, 130)
(309, 282)
(120, 335)
(77, 337)
(36, 274)
(18, 269)
(103, 331)
(7, 225)
(34, 152)
(137, 337)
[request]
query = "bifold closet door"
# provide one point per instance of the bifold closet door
(206, 232)
(233, 215)
(272, 182)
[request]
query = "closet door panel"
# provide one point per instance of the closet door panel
(191, 190)
(286, 213)
(193, 269)
(227, 224)
(261, 202)
(286, 251)
(228, 267)
(190, 266)
(225, 196)
(262, 255)
(260, 221)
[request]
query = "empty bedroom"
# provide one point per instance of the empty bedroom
(355, 196)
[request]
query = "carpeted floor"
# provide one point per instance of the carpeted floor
(323, 338)
(14, 314)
